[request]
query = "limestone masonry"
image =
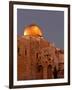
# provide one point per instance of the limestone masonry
(37, 58)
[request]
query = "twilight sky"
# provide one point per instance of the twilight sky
(51, 22)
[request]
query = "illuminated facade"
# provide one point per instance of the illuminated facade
(38, 58)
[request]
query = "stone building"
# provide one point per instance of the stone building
(38, 58)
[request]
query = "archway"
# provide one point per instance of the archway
(49, 72)
(39, 72)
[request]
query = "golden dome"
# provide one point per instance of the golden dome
(32, 30)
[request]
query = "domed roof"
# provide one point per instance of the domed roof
(32, 30)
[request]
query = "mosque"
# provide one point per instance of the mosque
(37, 58)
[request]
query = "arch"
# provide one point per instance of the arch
(49, 72)
(18, 51)
(55, 72)
(39, 72)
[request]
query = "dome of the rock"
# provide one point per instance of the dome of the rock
(32, 30)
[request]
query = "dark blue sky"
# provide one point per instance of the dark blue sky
(51, 22)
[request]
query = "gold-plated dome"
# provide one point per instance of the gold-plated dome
(32, 30)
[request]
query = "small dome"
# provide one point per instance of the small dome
(32, 30)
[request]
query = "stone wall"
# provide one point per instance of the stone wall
(39, 59)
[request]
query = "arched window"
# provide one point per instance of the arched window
(36, 55)
(18, 50)
(55, 72)
(39, 72)
(39, 68)
(25, 52)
